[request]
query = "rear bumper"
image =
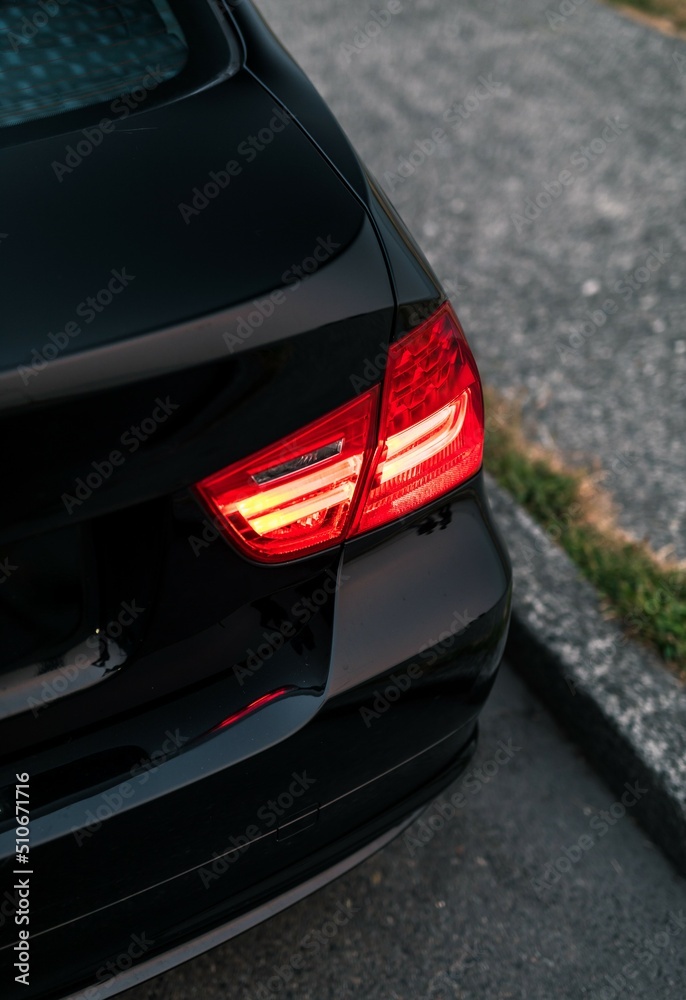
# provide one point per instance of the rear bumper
(229, 828)
(158, 964)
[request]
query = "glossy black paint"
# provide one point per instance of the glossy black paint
(206, 791)
(120, 211)
(368, 741)
(387, 646)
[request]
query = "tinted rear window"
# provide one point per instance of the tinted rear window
(60, 55)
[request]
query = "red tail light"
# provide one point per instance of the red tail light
(297, 496)
(432, 422)
(338, 478)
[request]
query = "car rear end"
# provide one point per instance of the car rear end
(252, 597)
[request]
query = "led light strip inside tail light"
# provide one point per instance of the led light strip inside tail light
(342, 476)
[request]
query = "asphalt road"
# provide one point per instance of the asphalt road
(520, 100)
(466, 915)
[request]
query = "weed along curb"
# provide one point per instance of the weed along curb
(624, 708)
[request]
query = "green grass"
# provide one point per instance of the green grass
(673, 10)
(645, 594)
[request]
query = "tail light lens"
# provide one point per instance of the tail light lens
(432, 422)
(296, 497)
(340, 476)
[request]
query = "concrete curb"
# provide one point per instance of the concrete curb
(626, 711)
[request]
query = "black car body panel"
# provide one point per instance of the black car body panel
(394, 715)
(152, 814)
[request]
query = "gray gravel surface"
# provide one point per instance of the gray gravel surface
(467, 914)
(459, 916)
(611, 388)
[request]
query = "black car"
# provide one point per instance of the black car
(252, 599)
